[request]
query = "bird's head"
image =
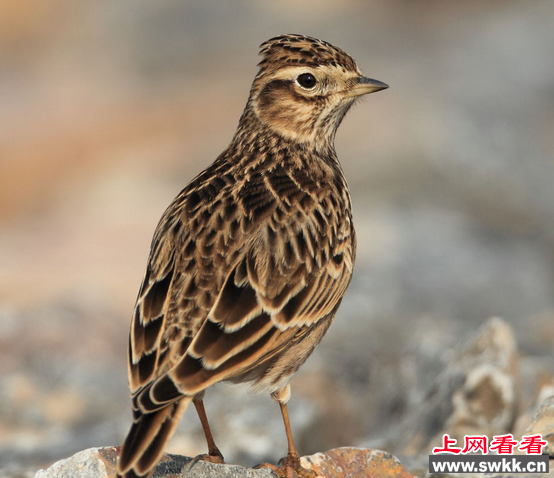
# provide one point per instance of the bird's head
(305, 86)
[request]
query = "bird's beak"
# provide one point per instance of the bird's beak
(365, 86)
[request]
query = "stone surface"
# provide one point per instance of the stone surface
(355, 463)
(338, 463)
(477, 393)
(85, 464)
(543, 423)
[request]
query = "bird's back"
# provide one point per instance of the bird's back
(278, 215)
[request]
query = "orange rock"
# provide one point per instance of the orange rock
(355, 463)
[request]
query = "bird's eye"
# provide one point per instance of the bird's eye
(306, 80)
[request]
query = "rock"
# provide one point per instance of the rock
(337, 463)
(355, 463)
(543, 423)
(101, 463)
(85, 464)
(537, 384)
(476, 394)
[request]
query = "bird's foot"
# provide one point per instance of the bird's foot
(211, 458)
(289, 467)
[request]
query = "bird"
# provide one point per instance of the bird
(249, 263)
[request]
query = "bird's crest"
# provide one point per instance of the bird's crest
(297, 50)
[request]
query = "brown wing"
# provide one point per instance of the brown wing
(252, 276)
(256, 316)
(182, 278)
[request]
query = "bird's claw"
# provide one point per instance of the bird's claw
(215, 458)
(289, 467)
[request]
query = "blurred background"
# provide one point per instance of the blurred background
(108, 109)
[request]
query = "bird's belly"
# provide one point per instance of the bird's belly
(275, 372)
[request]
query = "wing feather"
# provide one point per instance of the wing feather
(194, 327)
(146, 330)
(249, 322)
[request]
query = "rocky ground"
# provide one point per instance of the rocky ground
(478, 393)
(108, 109)
(338, 463)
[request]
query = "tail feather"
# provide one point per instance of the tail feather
(145, 442)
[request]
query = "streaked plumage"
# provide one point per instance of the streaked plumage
(249, 263)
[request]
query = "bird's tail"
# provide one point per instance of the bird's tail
(147, 438)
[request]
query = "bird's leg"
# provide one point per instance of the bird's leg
(214, 455)
(292, 460)
(290, 465)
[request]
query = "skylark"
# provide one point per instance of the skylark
(250, 262)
